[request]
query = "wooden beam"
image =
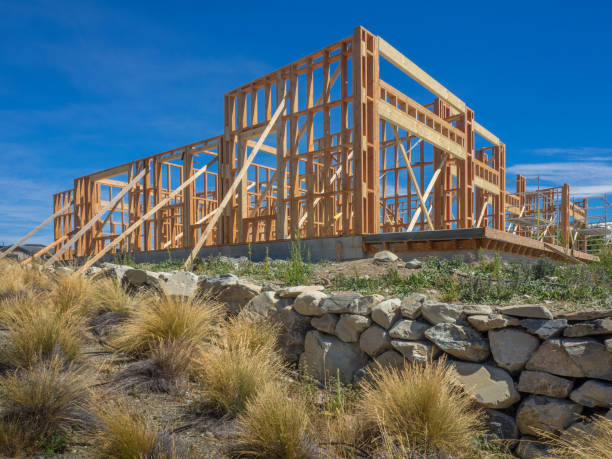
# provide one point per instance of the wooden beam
(96, 217)
(484, 132)
(241, 174)
(44, 250)
(487, 186)
(34, 231)
(419, 75)
(397, 117)
(138, 222)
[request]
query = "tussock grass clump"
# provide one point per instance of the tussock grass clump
(109, 296)
(275, 425)
(241, 363)
(166, 370)
(72, 292)
(418, 409)
(124, 432)
(189, 320)
(36, 331)
(255, 335)
(16, 280)
(46, 399)
(594, 442)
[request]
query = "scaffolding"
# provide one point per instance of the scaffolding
(322, 147)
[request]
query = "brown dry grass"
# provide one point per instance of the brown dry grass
(187, 320)
(274, 425)
(243, 360)
(15, 279)
(72, 293)
(594, 442)
(418, 409)
(45, 399)
(37, 331)
(108, 295)
(123, 431)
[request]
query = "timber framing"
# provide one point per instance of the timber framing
(323, 147)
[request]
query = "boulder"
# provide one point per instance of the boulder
(266, 304)
(325, 323)
(459, 341)
(293, 292)
(437, 313)
(386, 313)
(540, 413)
(385, 256)
(491, 387)
(138, 279)
(338, 304)
(511, 348)
(410, 307)
(350, 326)
(363, 305)
(409, 330)
(608, 344)
(584, 315)
(542, 383)
(182, 283)
(592, 327)
(307, 303)
(374, 341)
(118, 271)
(388, 359)
(530, 448)
(593, 393)
(326, 356)
(416, 351)
(591, 356)
(414, 264)
(552, 357)
(530, 311)
(477, 309)
(544, 328)
(235, 293)
(491, 322)
(502, 425)
(293, 329)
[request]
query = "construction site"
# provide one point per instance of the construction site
(326, 150)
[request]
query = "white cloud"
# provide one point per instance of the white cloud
(588, 153)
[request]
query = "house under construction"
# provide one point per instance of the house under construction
(326, 148)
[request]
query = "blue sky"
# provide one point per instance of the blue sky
(87, 85)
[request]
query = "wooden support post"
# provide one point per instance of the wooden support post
(41, 252)
(366, 196)
(239, 178)
(34, 231)
(189, 210)
(138, 222)
(282, 232)
(95, 219)
(565, 215)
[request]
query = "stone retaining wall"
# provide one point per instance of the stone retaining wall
(531, 369)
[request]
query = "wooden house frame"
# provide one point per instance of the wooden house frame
(322, 147)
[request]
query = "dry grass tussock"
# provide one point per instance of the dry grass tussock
(418, 410)
(37, 331)
(109, 296)
(274, 425)
(166, 370)
(189, 320)
(242, 362)
(595, 442)
(15, 279)
(46, 399)
(72, 293)
(123, 431)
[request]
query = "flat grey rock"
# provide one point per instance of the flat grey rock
(485, 323)
(386, 313)
(292, 292)
(409, 330)
(416, 351)
(350, 326)
(410, 307)
(338, 304)
(435, 312)
(542, 383)
(530, 311)
(540, 413)
(385, 256)
(511, 348)
(491, 387)
(552, 357)
(364, 305)
(544, 328)
(374, 341)
(459, 341)
(593, 393)
(590, 328)
(308, 303)
(325, 323)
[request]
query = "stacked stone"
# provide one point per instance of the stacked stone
(532, 371)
